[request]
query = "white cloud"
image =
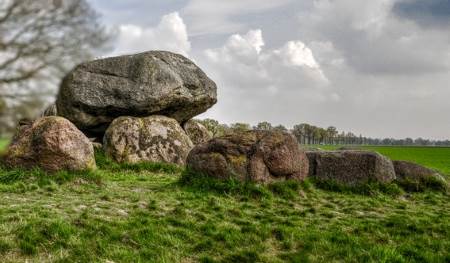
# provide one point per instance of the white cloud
(170, 34)
(256, 81)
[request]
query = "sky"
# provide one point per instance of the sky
(380, 68)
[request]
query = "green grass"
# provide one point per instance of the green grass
(432, 157)
(157, 213)
(161, 213)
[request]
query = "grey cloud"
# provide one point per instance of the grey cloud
(375, 42)
(428, 13)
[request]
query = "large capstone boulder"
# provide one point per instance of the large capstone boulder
(150, 139)
(197, 132)
(258, 156)
(152, 83)
(52, 144)
(415, 177)
(350, 167)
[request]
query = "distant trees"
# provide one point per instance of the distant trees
(263, 126)
(310, 134)
(40, 40)
(239, 126)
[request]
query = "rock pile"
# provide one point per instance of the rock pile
(139, 102)
(258, 156)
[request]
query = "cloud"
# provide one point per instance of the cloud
(429, 13)
(255, 81)
(170, 34)
(373, 40)
(219, 17)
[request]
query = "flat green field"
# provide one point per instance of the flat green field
(152, 213)
(432, 157)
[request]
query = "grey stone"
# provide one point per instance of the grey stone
(415, 177)
(350, 167)
(151, 83)
(197, 132)
(150, 139)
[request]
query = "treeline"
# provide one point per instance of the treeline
(310, 134)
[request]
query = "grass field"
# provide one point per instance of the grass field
(148, 213)
(432, 157)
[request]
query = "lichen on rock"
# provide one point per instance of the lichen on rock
(152, 139)
(258, 156)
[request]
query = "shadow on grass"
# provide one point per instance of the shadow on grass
(197, 182)
(289, 189)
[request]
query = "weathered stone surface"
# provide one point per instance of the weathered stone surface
(259, 156)
(312, 164)
(197, 132)
(151, 83)
(50, 111)
(50, 143)
(153, 139)
(350, 167)
(416, 177)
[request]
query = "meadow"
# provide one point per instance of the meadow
(161, 213)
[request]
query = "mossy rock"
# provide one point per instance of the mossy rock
(416, 178)
(197, 132)
(52, 144)
(149, 139)
(258, 156)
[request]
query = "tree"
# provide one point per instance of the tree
(280, 128)
(332, 133)
(299, 133)
(40, 40)
(263, 126)
(239, 126)
(212, 126)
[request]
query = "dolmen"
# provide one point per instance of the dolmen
(135, 105)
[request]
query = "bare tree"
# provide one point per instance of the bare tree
(40, 40)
